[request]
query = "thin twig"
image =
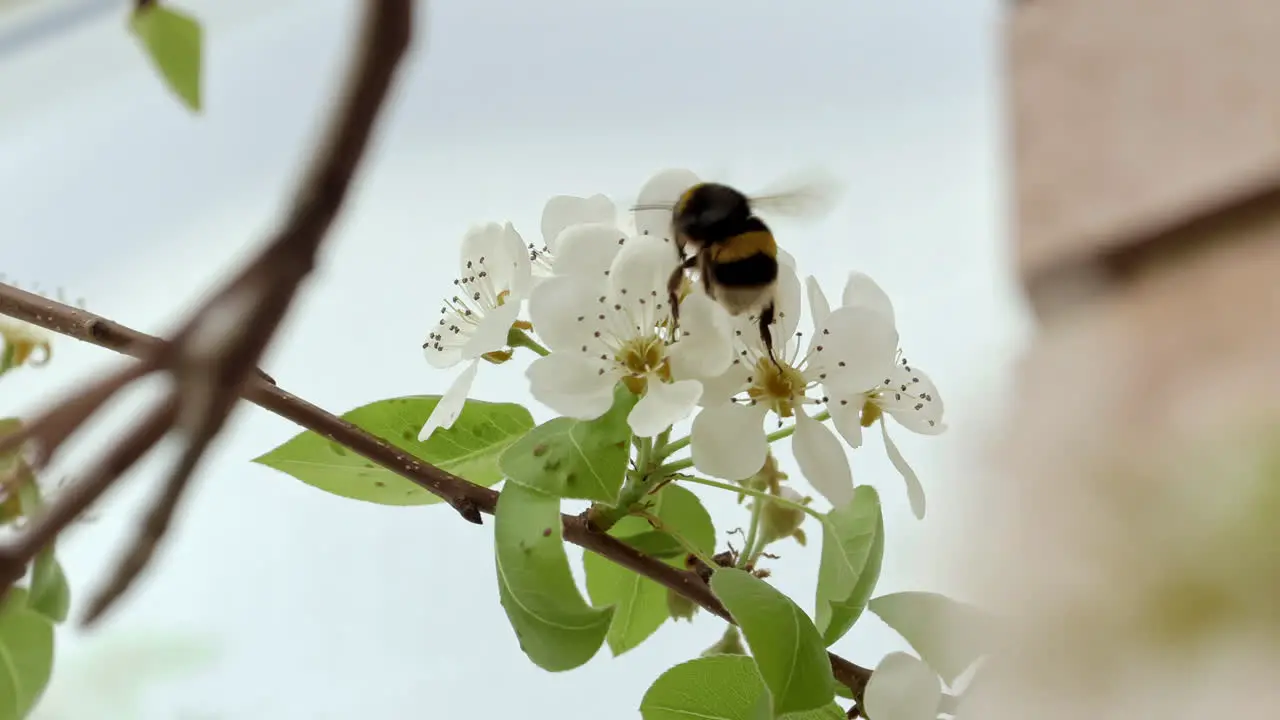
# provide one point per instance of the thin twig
(74, 322)
(46, 433)
(71, 503)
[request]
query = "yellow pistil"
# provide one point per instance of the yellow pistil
(870, 414)
(778, 388)
(640, 358)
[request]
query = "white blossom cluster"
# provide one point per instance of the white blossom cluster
(596, 297)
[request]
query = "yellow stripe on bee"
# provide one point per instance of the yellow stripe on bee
(757, 242)
(683, 200)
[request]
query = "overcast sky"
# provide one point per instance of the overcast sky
(302, 605)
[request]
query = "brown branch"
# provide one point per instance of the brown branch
(39, 310)
(214, 354)
(469, 499)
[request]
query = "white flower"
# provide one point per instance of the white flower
(494, 281)
(561, 213)
(21, 341)
(903, 688)
(851, 350)
(611, 325)
(905, 392)
(657, 196)
(590, 226)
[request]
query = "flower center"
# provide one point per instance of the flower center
(779, 388)
(641, 357)
(462, 314)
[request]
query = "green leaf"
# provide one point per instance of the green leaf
(787, 647)
(9, 425)
(948, 635)
(50, 593)
(719, 687)
(574, 459)
(469, 449)
(10, 503)
(555, 626)
(852, 550)
(656, 543)
(640, 604)
(173, 40)
(26, 655)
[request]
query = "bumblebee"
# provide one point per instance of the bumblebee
(733, 249)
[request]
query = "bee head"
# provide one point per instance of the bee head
(709, 211)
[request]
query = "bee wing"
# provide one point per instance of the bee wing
(810, 195)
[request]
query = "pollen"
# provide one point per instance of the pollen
(640, 358)
(778, 388)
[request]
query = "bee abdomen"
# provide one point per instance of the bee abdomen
(752, 271)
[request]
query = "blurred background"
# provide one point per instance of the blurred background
(274, 600)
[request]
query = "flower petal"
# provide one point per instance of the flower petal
(439, 353)
(913, 400)
(571, 386)
(724, 386)
(663, 189)
(855, 349)
(563, 312)
(819, 307)
(787, 307)
(822, 460)
(491, 332)
(705, 347)
(562, 211)
(846, 415)
(451, 403)
(516, 272)
(480, 241)
(903, 688)
(915, 491)
(638, 278)
(786, 259)
(587, 249)
(861, 291)
(663, 405)
(728, 440)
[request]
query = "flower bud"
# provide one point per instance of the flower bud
(729, 644)
(769, 477)
(24, 344)
(778, 521)
(680, 607)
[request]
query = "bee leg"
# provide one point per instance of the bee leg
(673, 289)
(766, 319)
